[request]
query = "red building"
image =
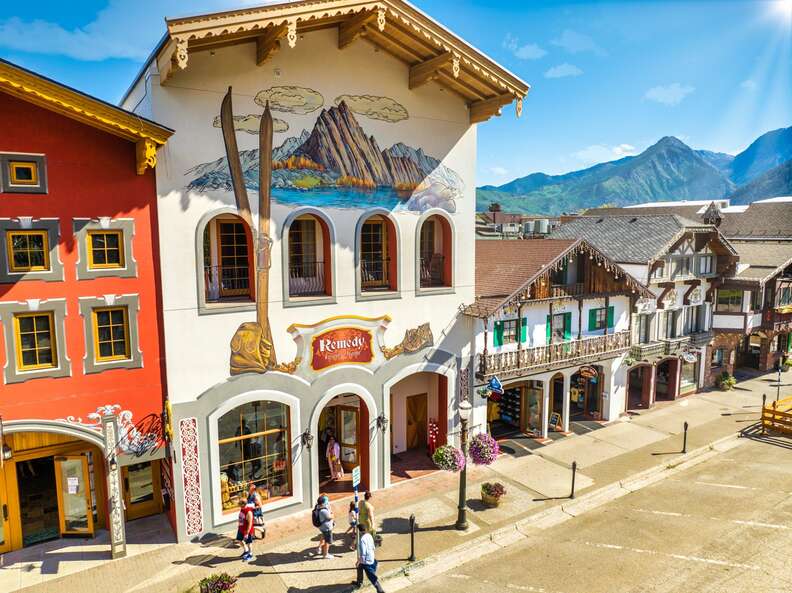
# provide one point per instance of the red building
(80, 342)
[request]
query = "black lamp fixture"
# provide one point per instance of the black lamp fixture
(113, 463)
(307, 438)
(7, 452)
(382, 422)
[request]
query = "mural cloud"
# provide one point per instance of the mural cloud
(250, 123)
(381, 108)
(291, 99)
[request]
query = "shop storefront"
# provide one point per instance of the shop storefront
(585, 394)
(519, 409)
(688, 378)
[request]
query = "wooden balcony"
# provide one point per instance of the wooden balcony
(553, 356)
(647, 350)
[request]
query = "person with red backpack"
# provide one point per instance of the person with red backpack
(245, 530)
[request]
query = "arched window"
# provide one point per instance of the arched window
(378, 255)
(228, 260)
(435, 257)
(255, 446)
(310, 257)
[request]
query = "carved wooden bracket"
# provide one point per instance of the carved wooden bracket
(146, 155)
(174, 56)
(423, 72)
(692, 285)
(711, 291)
(351, 29)
(481, 111)
(269, 42)
(667, 287)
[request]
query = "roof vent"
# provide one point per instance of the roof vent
(633, 220)
(600, 220)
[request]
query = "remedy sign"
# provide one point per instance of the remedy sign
(342, 345)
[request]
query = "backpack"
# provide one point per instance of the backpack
(315, 518)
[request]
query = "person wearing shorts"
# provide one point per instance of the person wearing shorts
(245, 530)
(326, 525)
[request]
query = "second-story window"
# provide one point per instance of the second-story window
(729, 300)
(682, 267)
(35, 341)
(509, 331)
(111, 340)
(434, 250)
(28, 251)
(600, 318)
(756, 300)
(644, 328)
(378, 255)
(693, 319)
(105, 249)
(309, 257)
(705, 265)
(228, 269)
(658, 271)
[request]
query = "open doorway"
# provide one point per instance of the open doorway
(343, 444)
(38, 500)
(638, 387)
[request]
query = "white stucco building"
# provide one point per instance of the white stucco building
(375, 107)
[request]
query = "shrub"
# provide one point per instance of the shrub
(449, 458)
(483, 449)
(218, 583)
(726, 381)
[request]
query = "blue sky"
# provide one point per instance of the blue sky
(608, 78)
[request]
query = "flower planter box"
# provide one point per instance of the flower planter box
(490, 501)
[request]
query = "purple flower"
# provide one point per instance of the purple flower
(483, 449)
(449, 458)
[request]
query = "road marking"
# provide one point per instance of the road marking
(676, 556)
(529, 588)
(717, 485)
(718, 519)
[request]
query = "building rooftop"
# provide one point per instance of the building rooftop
(764, 259)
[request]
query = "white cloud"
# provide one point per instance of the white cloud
(563, 70)
(748, 85)
(528, 51)
(670, 94)
(575, 43)
(499, 171)
(600, 153)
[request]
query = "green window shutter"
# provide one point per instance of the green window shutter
(497, 338)
(523, 329)
(610, 317)
(567, 326)
(549, 328)
(592, 319)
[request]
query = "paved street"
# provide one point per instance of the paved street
(724, 526)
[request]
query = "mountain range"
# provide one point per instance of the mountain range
(667, 170)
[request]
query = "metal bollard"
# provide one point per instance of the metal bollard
(574, 470)
(412, 539)
(761, 415)
(684, 439)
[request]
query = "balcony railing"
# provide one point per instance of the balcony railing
(374, 273)
(226, 282)
(566, 290)
(307, 278)
(432, 271)
(553, 355)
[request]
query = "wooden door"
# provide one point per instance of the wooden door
(5, 514)
(75, 510)
(142, 490)
(348, 421)
(416, 421)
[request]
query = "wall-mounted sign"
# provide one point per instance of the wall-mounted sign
(341, 345)
(689, 357)
(349, 340)
(588, 372)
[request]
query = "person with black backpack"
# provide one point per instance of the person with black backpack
(322, 518)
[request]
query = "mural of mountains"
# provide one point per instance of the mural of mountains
(668, 170)
(338, 155)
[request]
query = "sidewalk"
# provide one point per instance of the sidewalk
(537, 486)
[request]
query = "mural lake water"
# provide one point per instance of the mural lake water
(334, 197)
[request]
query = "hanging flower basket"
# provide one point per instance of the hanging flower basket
(449, 458)
(483, 449)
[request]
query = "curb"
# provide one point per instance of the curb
(523, 529)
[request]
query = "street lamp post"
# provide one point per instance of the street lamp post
(464, 415)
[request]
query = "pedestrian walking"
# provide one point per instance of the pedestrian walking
(333, 454)
(245, 530)
(351, 531)
(254, 498)
(322, 517)
(366, 516)
(366, 562)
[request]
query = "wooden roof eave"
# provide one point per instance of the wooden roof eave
(53, 96)
(393, 25)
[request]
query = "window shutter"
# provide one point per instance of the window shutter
(549, 328)
(523, 329)
(567, 326)
(610, 317)
(592, 319)
(497, 338)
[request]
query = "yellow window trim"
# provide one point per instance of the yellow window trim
(10, 251)
(98, 357)
(32, 165)
(90, 250)
(18, 342)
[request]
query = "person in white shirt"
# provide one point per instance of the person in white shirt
(366, 562)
